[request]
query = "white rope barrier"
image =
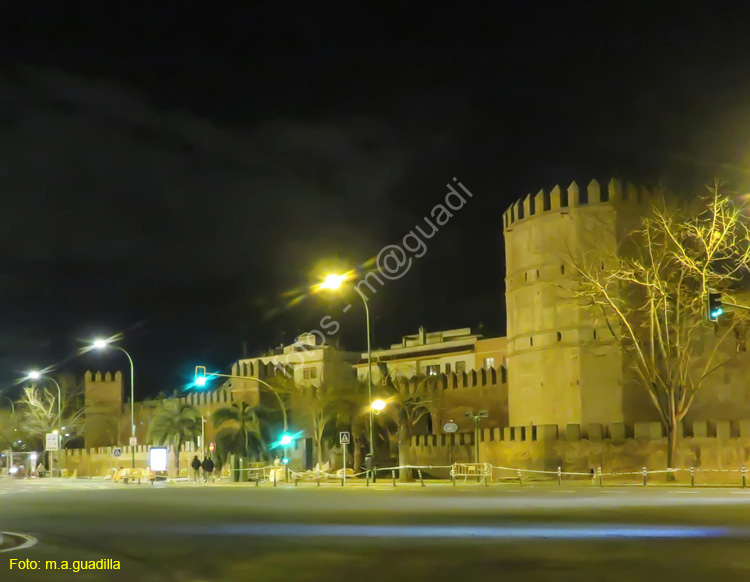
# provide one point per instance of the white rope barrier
(481, 470)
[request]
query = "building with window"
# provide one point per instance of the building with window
(434, 353)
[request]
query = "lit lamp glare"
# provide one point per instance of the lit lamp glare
(100, 344)
(378, 405)
(35, 375)
(333, 281)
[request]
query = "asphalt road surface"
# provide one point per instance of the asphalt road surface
(436, 533)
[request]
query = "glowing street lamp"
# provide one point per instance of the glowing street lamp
(333, 282)
(378, 405)
(103, 344)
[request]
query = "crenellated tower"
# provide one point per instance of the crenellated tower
(564, 366)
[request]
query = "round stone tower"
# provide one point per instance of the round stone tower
(564, 366)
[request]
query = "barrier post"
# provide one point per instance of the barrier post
(692, 476)
(393, 477)
(421, 481)
(257, 481)
(559, 476)
(520, 479)
(318, 480)
(274, 477)
(453, 478)
(599, 473)
(744, 477)
(367, 478)
(644, 476)
(296, 480)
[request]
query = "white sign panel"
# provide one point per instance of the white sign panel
(117, 452)
(52, 441)
(157, 458)
(450, 427)
(133, 441)
(344, 438)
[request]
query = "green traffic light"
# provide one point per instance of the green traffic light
(286, 439)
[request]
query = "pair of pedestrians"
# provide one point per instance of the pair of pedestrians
(208, 468)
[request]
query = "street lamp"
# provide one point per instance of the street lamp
(377, 406)
(37, 375)
(333, 282)
(103, 344)
(481, 414)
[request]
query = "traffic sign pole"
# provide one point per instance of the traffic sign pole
(344, 440)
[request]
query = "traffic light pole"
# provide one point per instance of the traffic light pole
(258, 380)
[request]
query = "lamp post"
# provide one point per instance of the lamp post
(13, 412)
(333, 282)
(36, 375)
(481, 414)
(102, 344)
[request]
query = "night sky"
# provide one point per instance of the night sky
(181, 177)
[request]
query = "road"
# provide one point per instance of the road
(437, 533)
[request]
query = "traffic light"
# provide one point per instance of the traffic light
(200, 376)
(286, 439)
(714, 306)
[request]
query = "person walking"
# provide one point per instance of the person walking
(208, 467)
(196, 465)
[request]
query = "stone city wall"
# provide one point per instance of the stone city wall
(710, 447)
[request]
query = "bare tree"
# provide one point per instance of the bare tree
(38, 410)
(652, 293)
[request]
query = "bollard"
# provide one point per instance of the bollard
(644, 476)
(599, 472)
(520, 479)
(367, 478)
(559, 476)
(343, 479)
(318, 480)
(453, 479)
(296, 481)
(393, 476)
(274, 478)
(744, 477)
(486, 480)
(692, 476)
(257, 481)
(421, 481)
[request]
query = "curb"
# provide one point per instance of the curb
(10, 541)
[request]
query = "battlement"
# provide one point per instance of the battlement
(484, 377)
(90, 376)
(722, 430)
(558, 199)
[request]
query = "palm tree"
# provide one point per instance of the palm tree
(239, 429)
(410, 408)
(175, 423)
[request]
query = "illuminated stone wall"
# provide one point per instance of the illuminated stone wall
(707, 445)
